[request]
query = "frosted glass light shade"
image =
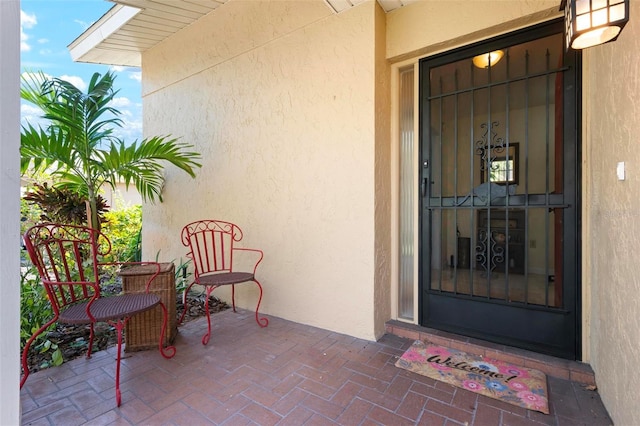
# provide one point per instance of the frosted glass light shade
(488, 59)
(592, 22)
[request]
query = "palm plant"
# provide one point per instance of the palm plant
(79, 148)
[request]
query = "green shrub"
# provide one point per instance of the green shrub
(123, 228)
(29, 215)
(35, 311)
(35, 308)
(183, 275)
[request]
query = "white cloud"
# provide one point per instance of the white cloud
(120, 102)
(117, 68)
(43, 40)
(29, 113)
(26, 21)
(35, 78)
(136, 76)
(83, 24)
(76, 81)
(32, 115)
(27, 110)
(131, 130)
(128, 118)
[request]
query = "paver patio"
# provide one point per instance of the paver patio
(285, 374)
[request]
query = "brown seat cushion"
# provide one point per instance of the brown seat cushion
(110, 308)
(225, 278)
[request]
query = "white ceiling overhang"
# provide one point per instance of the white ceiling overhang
(132, 26)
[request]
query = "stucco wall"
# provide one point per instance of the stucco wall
(287, 128)
(122, 196)
(431, 26)
(383, 225)
(612, 126)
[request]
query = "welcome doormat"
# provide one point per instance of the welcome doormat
(523, 387)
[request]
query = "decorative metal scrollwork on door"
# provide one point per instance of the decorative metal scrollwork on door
(488, 253)
(489, 145)
(498, 157)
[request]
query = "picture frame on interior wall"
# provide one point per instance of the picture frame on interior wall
(501, 166)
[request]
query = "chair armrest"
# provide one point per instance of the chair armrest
(255, 251)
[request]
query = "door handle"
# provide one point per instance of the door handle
(423, 186)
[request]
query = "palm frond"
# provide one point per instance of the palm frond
(31, 87)
(80, 145)
(71, 181)
(142, 164)
(42, 150)
(177, 153)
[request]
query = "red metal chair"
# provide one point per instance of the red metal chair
(212, 249)
(66, 257)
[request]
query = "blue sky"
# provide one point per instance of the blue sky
(47, 28)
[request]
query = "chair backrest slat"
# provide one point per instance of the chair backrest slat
(66, 257)
(80, 261)
(211, 245)
(222, 245)
(205, 245)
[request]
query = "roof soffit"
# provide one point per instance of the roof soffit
(130, 27)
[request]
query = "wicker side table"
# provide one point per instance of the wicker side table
(143, 330)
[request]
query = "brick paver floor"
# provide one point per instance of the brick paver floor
(285, 374)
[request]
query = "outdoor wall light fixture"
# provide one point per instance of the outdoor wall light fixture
(592, 22)
(487, 60)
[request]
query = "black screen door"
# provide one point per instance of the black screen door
(499, 192)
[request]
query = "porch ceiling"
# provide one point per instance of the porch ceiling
(132, 26)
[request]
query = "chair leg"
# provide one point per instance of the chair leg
(184, 302)
(169, 351)
(262, 322)
(25, 351)
(205, 338)
(119, 325)
(91, 334)
(233, 297)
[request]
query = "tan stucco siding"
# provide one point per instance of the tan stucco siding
(121, 196)
(383, 225)
(288, 136)
(612, 126)
(431, 26)
(231, 31)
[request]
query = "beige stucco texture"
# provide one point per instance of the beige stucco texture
(279, 97)
(431, 26)
(611, 121)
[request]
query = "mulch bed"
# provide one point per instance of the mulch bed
(73, 340)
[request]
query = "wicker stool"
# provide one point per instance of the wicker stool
(143, 330)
